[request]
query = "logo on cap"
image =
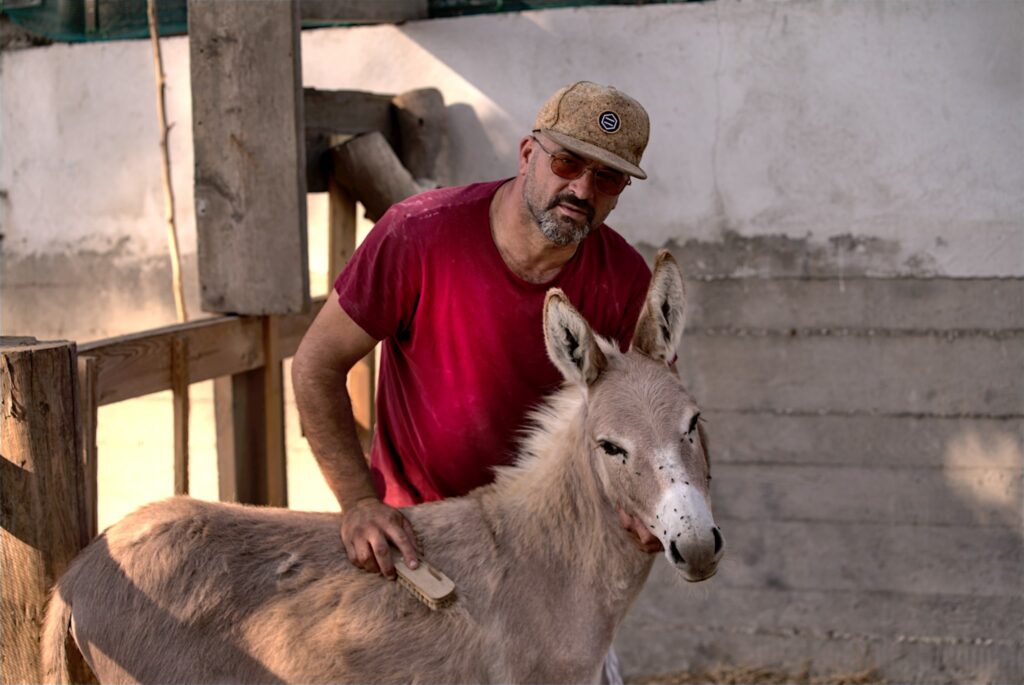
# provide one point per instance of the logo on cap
(609, 122)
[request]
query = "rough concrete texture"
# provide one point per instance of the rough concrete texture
(867, 442)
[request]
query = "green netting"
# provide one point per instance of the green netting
(77, 21)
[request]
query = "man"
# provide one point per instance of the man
(453, 281)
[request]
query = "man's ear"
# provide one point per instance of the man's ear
(660, 325)
(570, 342)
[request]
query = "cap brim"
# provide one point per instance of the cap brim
(594, 152)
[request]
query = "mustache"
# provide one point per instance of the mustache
(569, 199)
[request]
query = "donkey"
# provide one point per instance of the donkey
(199, 592)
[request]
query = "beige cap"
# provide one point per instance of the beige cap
(598, 122)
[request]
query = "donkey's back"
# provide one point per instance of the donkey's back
(240, 594)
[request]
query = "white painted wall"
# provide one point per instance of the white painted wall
(902, 122)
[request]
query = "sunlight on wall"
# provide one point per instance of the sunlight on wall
(986, 472)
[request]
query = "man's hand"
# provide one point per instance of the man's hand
(642, 536)
(366, 529)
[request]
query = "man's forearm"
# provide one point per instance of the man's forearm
(326, 413)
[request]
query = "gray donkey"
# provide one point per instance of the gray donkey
(186, 591)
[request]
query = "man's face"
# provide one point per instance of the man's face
(564, 210)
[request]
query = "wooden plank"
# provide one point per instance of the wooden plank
(88, 374)
(349, 111)
(250, 173)
(275, 488)
(329, 12)
(140, 363)
(333, 116)
(179, 390)
(43, 516)
(249, 413)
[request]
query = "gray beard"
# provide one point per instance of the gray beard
(561, 233)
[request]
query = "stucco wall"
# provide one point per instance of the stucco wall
(843, 184)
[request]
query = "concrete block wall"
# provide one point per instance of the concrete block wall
(866, 439)
(842, 184)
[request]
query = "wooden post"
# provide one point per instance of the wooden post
(250, 430)
(250, 169)
(179, 389)
(88, 393)
(43, 512)
(423, 131)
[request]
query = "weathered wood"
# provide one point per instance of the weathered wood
(42, 499)
(341, 231)
(140, 363)
(370, 170)
(334, 116)
(362, 12)
(423, 129)
(250, 180)
(275, 490)
(249, 415)
(88, 372)
(179, 390)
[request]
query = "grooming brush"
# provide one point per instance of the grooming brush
(426, 583)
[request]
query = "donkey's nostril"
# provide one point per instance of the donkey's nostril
(677, 558)
(718, 539)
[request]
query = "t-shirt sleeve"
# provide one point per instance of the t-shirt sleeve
(379, 287)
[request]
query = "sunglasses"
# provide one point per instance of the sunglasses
(607, 181)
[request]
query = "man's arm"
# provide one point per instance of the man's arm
(333, 344)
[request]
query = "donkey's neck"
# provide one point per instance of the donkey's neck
(550, 511)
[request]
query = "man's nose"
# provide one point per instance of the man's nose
(583, 187)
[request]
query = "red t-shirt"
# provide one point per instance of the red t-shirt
(463, 356)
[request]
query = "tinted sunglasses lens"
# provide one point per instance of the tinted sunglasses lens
(610, 182)
(568, 168)
(606, 181)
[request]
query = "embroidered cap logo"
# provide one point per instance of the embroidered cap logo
(609, 122)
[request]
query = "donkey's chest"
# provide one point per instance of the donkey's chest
(549, 639)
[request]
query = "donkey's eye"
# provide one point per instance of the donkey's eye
(611, 449)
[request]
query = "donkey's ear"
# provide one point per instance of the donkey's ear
(660, 326)
(570, 341)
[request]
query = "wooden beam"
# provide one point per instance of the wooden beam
(140, 363)
(423, 131)
(43, 517)
(362, 12)
(333, 116)
(250, 170)
(369, 169)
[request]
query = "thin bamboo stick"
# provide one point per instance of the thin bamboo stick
(172, 230)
